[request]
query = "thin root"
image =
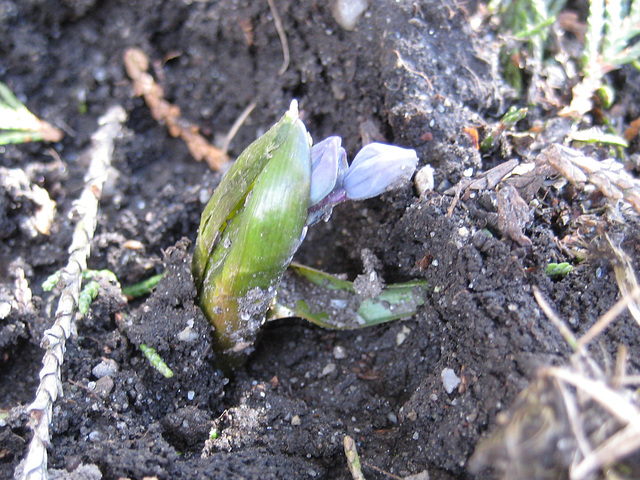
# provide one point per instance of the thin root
(283, 37)
(403, 64)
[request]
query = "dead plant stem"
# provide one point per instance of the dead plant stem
(35, 464)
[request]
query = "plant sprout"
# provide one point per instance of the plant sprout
(89, 292)
(156, 361)
(611, 42)
(19, 125)
(559, 270)
(259, 215)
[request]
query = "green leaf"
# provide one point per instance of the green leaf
(7, 97)
(18, 136)
(51, 281)
(144, 287)
(331, 302)
(596, 135)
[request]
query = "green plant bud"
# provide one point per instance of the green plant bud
(250, 230)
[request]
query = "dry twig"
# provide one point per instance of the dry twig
(35, 465)
(136, 63)
(236, 126)
(282, 35)
(595, 415)
(562, 327)
(625, 276)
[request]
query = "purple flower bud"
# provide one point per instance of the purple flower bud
(328, 167)
(378, 168)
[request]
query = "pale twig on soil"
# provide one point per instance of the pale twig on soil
(401, 63)
(562, 327)
(35, 465)
(283, 37)
(620, 368)
(629, 289)
(625, 275)
(617, 445)
(387, 474)
(609, 317)
(573, 415)
(236, 126)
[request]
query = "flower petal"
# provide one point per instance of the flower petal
(377, 168)
(326, 159)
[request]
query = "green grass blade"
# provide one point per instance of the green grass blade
(7, 97)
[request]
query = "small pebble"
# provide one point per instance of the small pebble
(329, 368)
(106, 367)
(450, 380)
(402, 335)
(339, 352)
(338, 303)
(187, 335)
(204, 195)
(424, 180)
(348, 12)
(424, 475)
(191, 395)
(104, 386)
(295, 420)
(5, 310)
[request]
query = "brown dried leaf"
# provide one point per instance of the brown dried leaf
(608, 175)
(486, 180)
(530, 182)
(563, 160)
(491, 178)
(633, 131)
(513, 215)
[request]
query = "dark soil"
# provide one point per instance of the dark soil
(415, 74)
